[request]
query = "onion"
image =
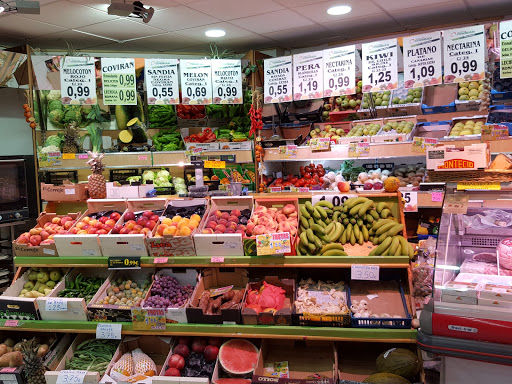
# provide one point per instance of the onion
(363, 176)
(338, 178)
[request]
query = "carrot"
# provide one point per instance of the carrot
(11, 359)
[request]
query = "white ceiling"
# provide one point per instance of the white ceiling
(179, 25)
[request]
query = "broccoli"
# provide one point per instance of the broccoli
(72, 115)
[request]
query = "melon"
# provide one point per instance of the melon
(238, 357)
(232, 381)
(386, 378)
(391, 184)
(399, 361)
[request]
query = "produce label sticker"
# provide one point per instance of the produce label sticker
(320, 143)
(119, 85)
(494, 132)
(410, 201)
(68, 376)
(308, 75)
(364, 272)
(214, 164)
(464, 54)
(506, 49)
(227, 82)
(437, 197)
(11, 323)
(196, 82)
(160, 260)
(335, 200)
(340, 71)
(218, 259)
(124, 262)
(220, 291)
(278, 80)
(422, 60)
(108, 331)
(161, 77)
(358, 149)
(420, 144)
(50, 159)
(56, 304)
(380, 65)
(78, 80)
(148, 319)
(68, 156)
(485, 186)
(288, 151)
(456, 203)
(273, 244)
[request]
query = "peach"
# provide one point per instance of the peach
(169, 231)
(217, 213)
(82, 232)
(161, 228)
(81, 224)
(64, 219)
(221, 228)
(47, 242)
(86, 219)
(249, 228)
(44, 235)
(103, 219)
(155, 218)
(151, 224)
(124, 231)
(259, 230)
(68, 224)
(193, 224)
(213, 218)
(229, 230)
(185, 231)
(98, 225)
(110, 222)
(101, 232)
(233, 219)
(222, 221)
(182, 223)
(146, 231)
(280, 217)
(62, 232)
(73, 231)
(92, 230)
(50, 237)
(211, 224)
(92, 221)
(167, 221)
(35, 239)
(224, 215)
(240, 227)
(260, 208)
(56, 220)
(134, 232)
(23, 239)
(231, 225)
(115, 216)
(130, 224)
(235, 212)
(137, 228)
(142, 221)
(148, 214)
(35, 231)
(195, 217)
(218, 232)
(176, 219)
(207, 231)
(129, 216)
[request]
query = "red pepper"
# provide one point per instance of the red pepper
(211, 138)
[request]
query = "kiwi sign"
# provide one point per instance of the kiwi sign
(506, 49)
(422, 60)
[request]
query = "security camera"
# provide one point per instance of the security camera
(135, 9)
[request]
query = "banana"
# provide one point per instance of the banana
(371, 231)
(395, 229)
(385, 213)
(353, 220)
(335, 215)
(329, 228)
(370, 239)
(334, 252)
(328, 211)
(349, 231)
(352, 238)
(303, 249)
(343, 239)
(375, 240)
(384, 228)
(311, 221)
(383, 237)
(309, 206)
(382, 205)
(335, 235)
(338, 209)
(318, 242)
(324, 203)
(309, 236)
(304, 222)
(328, 247)
(316, 214)
(411, 251)
(395, 244)
(349, 203)
(379, 223)
(366, 206)
(321, 212)
(360, 239)
(304, 212)
(381, 248)
(325, 239)
(366, 235)
(297, 250)
(318, 229)
(320, 223)
(327, 221)
(369, 218)
(398, 251)
(375, 214)
(345, 209)
(311, 247)
(360, 222)
(355, 209)
(346, 221)
(404, 245)
(356, 230)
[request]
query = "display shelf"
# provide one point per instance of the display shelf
(237, 330)
(229, 261)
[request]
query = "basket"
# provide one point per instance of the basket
(334, 320)
(382, 166)
(474, 176)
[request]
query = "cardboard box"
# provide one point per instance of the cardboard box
(158, 348)
(496, 292)
(467, 105)
(309, 362)
(205, 146)
(453, 158)
(456, 120)
(130, 245)
(76, 307)
(90, 377)
(228, 244)
(115, 191)
(213, 278)
(170, 246)
(13, 307)
(112, 312)
(184, 277)
(434, 129)
(238, 145)
(66, 192)
(439, 99)
(282, 316)
(45, 250)
(87, 245)
(381, 111)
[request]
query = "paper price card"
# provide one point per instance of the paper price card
(456, 203)
(119, 85)
(68, 376)
(494, 132)
(273, 244)
(506, 49)
(108, 331)
(55, 304)
(340, 71)
(227, 82)
(161, 77)
(278, 79)
(336, 200)
(196, 82)
(78, 80)
(358, 149)
(420, 144)
(464, 54)
(410, 201)
(308, 75)
(380, 65)
(319, 143)
(422, 60)
(364, 272)
(148, 319)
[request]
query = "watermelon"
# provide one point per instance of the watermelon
(399, 361)
(232, 381)
(238, 357)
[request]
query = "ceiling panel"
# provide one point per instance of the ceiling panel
(117, 47)
(122, 29)
(180, 17)
(232, 32)
(102, 5)
(373, 25)
(58, 40)
(318, 12)
(434, 14)
(274, 21)
(392, 5)
(300, 36)
(232, 9)
(165, 43)
(246, 44)
(297, 3)
(15, 25)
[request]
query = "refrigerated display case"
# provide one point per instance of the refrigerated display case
(469, 315)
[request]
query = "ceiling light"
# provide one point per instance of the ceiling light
(2, 9)
(215, 33)
(339, 10)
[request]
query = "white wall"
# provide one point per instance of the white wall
(15, 133)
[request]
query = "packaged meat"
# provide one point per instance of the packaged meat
(504, 250)
(472, 266)
(486, 257)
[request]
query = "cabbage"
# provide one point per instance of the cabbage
(72, 115)
(163, 173)
(178, 180)
(50, 148)
(56, 116)
(54, 104)
(133, 179)
(55, 140)
(148, 175)
(162, 182)
(53, 95)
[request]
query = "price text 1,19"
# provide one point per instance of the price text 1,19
(310, 86)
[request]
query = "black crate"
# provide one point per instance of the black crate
(123, 174)
(58, 177)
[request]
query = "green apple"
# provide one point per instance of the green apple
(409, 98)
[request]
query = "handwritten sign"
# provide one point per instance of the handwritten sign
(109, 331)
(506, 49)
(217, 259)
(56, 304)
(160, 260)
(68, 376)
(364, 272)
(437, 197)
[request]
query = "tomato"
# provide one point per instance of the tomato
(307, 176)
(301, 182)
(308, 169)
(315, 174)
(279, 180)
(286, 184)
(321, 172)
(320, 166)
(321, 180)
(289, 177)
(301, 168)
(297, 184)
(294, 180)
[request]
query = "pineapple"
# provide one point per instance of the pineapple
(33, 365)
(97, 182)
(71, 136)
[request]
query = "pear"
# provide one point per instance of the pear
(28, 285)
(43, 277)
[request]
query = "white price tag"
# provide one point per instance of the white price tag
(108, 331)
(364, 272)
(48, 251)
(308, 82)
(380, 65)
(227, 82)
(196, 82)
(422, 60)
(161, 77)
(340, 71)
(506, 49)
(411, 201)
(78, 80)
(56, 304)
(336, 200)
(69, 191)
(119, 82)
(68, 376)
(278, 80)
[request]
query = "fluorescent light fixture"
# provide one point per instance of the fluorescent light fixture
(339, 10)
(2, 9)
(215, 33)
(181, 164)
(448, 267)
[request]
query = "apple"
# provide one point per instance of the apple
(129, 216)
(56, 220)
(124, 231)
(115, 216)
(343, 186)
(148, 214)
(155, 218)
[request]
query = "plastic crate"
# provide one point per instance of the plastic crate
(342, 320)
(57, 178)
(382, 166)
(122, 174)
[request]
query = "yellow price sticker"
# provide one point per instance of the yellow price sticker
(214, 164)
(68, 156)
(486, 186)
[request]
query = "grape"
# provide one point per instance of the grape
(167, 292)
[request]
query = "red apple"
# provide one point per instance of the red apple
(148, 214)
(182, 350)
(177, 361)
(199, 345)
(124, 231)
(129, 216)
(115, 216)
(172, 372)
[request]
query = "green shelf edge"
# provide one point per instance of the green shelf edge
(253, 261)
(251, 331)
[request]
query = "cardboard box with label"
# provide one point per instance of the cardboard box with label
(65, 192)
(458, 158)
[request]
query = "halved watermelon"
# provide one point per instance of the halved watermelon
(238, 357)
(232, 381)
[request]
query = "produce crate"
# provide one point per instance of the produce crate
(439, 99)
(122, 174)
(169, 245)
(463, 119)
(383, 137)
(434, 129)
(58, 177)
(135, 244)
(404, 109)
(65, 192)
(360, 139)
(184, 277)
(87, 245)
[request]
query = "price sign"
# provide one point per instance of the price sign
(68, 376)
(420, 144)
(124, 262)
(411, 201)
(78, 80)
(160, 260)
(319, 143)
(108, 331)
(196, 82)
(11, 323)
(437, 197)
(340, 71)
(422, 60)
(380, 65)
(217, 259)
(227, 82)
(161, 77)
(214, 164)
(273, 244)
(278, 79)
(494, 132)
(364, 272)
(506, 49)
(464, 54)
(119, 83)
(358, 149)
(456, 203)
(56, 304)
(335, 200)
(148, 319)
(485, 186)
(308, 75)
